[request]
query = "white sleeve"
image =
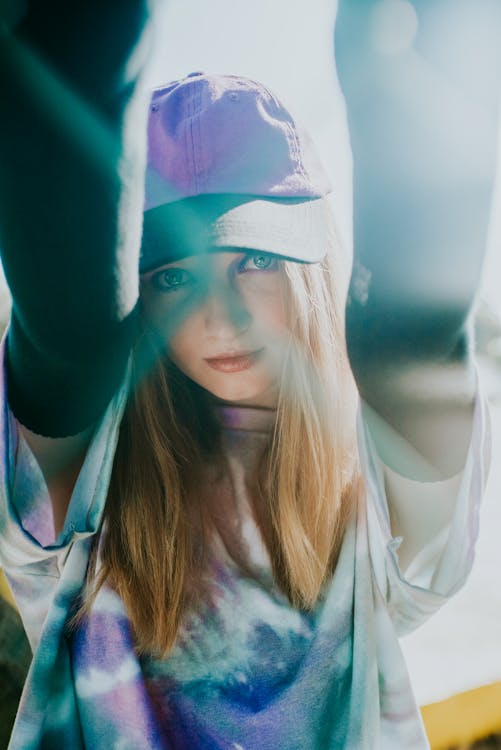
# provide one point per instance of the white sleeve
(33, 562)
(422, 534)
(421, 515)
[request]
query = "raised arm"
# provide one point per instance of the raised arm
(421, 82)
(72, 152)
(72, 143)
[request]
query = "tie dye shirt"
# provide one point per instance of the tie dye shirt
(248, 672)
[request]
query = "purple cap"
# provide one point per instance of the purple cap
(228, 166)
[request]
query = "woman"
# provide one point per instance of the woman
(244, 589)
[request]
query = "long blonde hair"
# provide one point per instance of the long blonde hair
(156, 537)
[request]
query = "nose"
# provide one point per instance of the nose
(226, 316)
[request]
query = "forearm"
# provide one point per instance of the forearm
(72, 143)
(420, 417)
(423, 128)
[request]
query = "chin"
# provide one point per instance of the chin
(253, 394)
(234, 393)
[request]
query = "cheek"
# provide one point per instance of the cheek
(272, 315)
(267, 308)
(186, 342)
(177, 325)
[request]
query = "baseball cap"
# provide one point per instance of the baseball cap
(228, 166)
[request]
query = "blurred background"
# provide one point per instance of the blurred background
(455, 659)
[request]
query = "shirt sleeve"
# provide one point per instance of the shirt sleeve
(72, 155)
(32, 559)
(422, 535)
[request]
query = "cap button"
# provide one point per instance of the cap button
(195, 73)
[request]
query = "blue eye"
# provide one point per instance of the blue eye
(258, 262)
(171, 279)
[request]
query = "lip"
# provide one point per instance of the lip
(234, 361)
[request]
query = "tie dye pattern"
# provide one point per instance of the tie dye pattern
(249, 672)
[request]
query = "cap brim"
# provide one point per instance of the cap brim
(292, 228)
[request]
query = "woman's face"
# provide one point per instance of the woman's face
(222, 318)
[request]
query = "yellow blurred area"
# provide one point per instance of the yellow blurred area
(464, 718)
(4, 589)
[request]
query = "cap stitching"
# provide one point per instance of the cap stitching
(272, 231)
(200, 172)
(191, 122)
(290, 124)
(201, 153)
